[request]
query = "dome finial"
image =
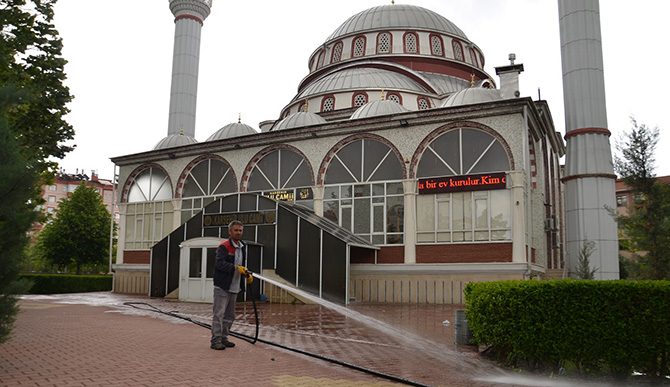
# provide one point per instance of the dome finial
(392, 1)
(472, 80)
(306, 105)
(383, 94)
(181, 131)
(239, 118)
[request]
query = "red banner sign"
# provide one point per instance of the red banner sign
(487, 181)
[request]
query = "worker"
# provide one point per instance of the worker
(230, 274)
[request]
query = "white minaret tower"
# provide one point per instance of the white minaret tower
(589, 173)
(189, 16)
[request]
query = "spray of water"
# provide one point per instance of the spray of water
(498, 376)
(408, 339)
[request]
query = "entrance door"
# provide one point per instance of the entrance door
(197, 269)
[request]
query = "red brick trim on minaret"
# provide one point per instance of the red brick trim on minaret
(588, 131)
(189, 17)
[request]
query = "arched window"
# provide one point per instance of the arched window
(328, 104)
(470, 216)
(152, 184)
(337, 53)
(149, 210)
(302, 107)
(384, 43)
(411, 43)
(458, 50)
(360, 99)
(280, 169)
(436, 45)
(204, 182)
(322, 55)
(473, 56)
(423, 103)
(363, 191)
(395, 97)
(358, 47)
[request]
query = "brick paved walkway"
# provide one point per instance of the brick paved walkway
(94, 340)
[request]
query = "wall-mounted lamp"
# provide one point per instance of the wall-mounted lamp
(404, 123)
(314, 134)
(172, 155)
(237, 146)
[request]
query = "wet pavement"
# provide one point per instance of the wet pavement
(93, 339)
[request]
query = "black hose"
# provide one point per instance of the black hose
(253, 340)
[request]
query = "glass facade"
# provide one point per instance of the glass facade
(147, 223)
(364, 192)
(476, 216)
(209, 179)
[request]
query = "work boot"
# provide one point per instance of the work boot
(227, 343)
(218, 346)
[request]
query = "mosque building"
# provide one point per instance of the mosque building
(399, 172)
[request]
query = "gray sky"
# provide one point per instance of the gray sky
(254, 53)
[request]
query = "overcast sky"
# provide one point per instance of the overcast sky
(253, 54)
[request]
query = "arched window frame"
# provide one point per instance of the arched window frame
(457, 48)
(301, 107)
(324, 100)
(380, 36)
(484, 215)
(191, 205)
(140, 170)
(424, 99)
(380, 200)
(473, 57)
(336, 55)
(256, 159)
(416, 42)
(322, 56)
(436, 51)
(354, 97)
(356, 39)
(147, 224)
(394, 94)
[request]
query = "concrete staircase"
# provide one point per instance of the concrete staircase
(553, 274)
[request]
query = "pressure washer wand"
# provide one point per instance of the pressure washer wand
(248, 273)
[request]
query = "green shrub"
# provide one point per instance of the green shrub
(622, 325)
(62, 283)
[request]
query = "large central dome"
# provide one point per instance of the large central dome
(409, 54)
(396, 17)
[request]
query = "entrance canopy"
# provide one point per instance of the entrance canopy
(309, 251)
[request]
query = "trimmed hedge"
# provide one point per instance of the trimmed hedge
(63, 283)
(624, 325)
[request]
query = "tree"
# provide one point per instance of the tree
(18, 181)
(584, 270)
(32, 130)
(31, 62)
(79, 234)
(647, 225)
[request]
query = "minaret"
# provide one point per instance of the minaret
(189, 17)
(589, 173)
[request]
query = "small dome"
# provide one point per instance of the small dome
(472, 95)
(299, 119)
(234, 129)
(174, 140)
(378, 108)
